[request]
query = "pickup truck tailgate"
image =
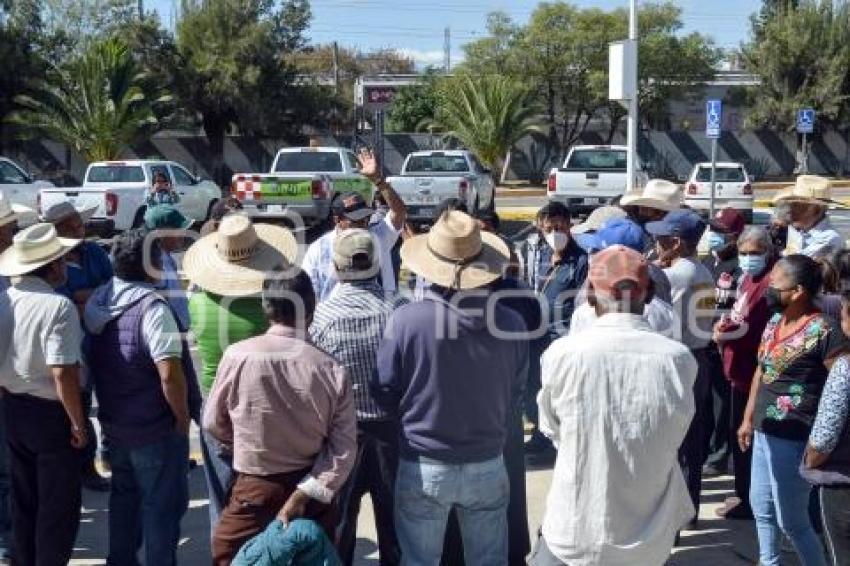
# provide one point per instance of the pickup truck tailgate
(590, 183)
(81, 198)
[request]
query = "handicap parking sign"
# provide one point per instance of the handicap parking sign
(713, 118)
(806, 121)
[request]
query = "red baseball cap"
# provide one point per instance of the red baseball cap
(728, 221)
(616, 265)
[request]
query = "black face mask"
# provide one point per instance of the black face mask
(774, 300)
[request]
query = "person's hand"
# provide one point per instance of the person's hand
(745, 435)
(79, 437)
(182, 425)
(369, 166)
(295, 507)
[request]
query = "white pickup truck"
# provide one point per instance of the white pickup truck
(301, 184)
(119, 188)
(19, 187)
(429, 177)
(592, 176)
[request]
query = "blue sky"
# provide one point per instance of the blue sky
(416, 26)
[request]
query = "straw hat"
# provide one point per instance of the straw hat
(63, 210)
(598, 218)
(810, 189)
(455, 253)
(10, 212)
(658, 194)
(235, 260)
(32, 248)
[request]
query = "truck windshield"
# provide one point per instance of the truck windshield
(437, 164)
(722, 175)
(308, 162)
(116, 174)
(597, 160)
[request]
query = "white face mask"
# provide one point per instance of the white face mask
(557, 240)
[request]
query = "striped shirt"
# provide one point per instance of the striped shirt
(349, 326)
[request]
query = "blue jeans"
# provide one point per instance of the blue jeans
(218, 471)
(150, 495)
(425, 492)
(779, 497)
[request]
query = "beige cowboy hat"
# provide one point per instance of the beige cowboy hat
(598, 218)
(658, 194)
(455, 253)
(236, 259)
(10, 212)
(32, 248)
(810, 189)
(63, 210)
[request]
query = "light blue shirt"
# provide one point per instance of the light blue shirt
(174, 292)
(818, 241)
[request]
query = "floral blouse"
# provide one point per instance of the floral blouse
(833, 409)
(793, 375)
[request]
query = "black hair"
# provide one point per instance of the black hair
(446, 205)
(554, 209)
(803, 271)
(43, 272)
(128, 256)
(489, 216)
(287, 295)
(223, 207)
(158, 174)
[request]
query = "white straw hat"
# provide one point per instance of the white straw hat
(32, 248)
(598, 218)
(236, 259)
(10, 212)
(658, 194)
(808, 189)
(455, 253)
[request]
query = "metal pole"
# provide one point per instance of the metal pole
(713, 177)
(805, 165)
(631, 121)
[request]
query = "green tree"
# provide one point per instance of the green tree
(802, 59)
(415, 105)
(20, 59)
(94, 104)
(488, 114)
(235, 69)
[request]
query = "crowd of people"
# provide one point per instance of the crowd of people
(639, 366)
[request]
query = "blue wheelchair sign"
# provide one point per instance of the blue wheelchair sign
(713, 118)
(806, 121)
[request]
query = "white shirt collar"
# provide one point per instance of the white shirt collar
(622, 320)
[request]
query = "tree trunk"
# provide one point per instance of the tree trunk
(215, 128)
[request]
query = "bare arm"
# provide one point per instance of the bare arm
(371, 169)
(67, 381)
(745, 432)
(176, 392)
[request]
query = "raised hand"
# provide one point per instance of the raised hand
(369, 166)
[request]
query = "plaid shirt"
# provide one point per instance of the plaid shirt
(349, 326)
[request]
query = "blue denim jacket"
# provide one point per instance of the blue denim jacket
(561, 286)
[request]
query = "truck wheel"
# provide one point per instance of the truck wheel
(210, 209)
(139, 219)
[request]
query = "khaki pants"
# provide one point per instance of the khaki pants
(254, 502)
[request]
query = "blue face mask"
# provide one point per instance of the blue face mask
(752, 264)
(716, 241)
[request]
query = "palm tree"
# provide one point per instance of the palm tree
(95, 104)
(488, 115)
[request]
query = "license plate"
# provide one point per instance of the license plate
(275, 208)
(592, 201)
(427, 212)
(426, 199)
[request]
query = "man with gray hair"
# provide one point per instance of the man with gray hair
(349, 326)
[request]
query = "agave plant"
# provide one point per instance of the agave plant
(488, 115)
(94, 104)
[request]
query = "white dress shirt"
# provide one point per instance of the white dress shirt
(617, 400)
(318, 261)
(818, 241)
(659, 315)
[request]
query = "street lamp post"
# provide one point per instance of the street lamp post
(631, 132)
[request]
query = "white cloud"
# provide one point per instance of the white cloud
(432, 58)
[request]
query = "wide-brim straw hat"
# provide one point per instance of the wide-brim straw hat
(61, 211)
(455, 254)
(808, 189)
(658, 194)
(32, 248)
(598, 218)
(11, 212)
(235, 260)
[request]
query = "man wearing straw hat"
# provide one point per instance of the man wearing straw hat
(810, 232)
(40, 339)
(452, 367)
(229, 266)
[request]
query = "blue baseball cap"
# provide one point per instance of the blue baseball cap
(617, 232)
(685, 224)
